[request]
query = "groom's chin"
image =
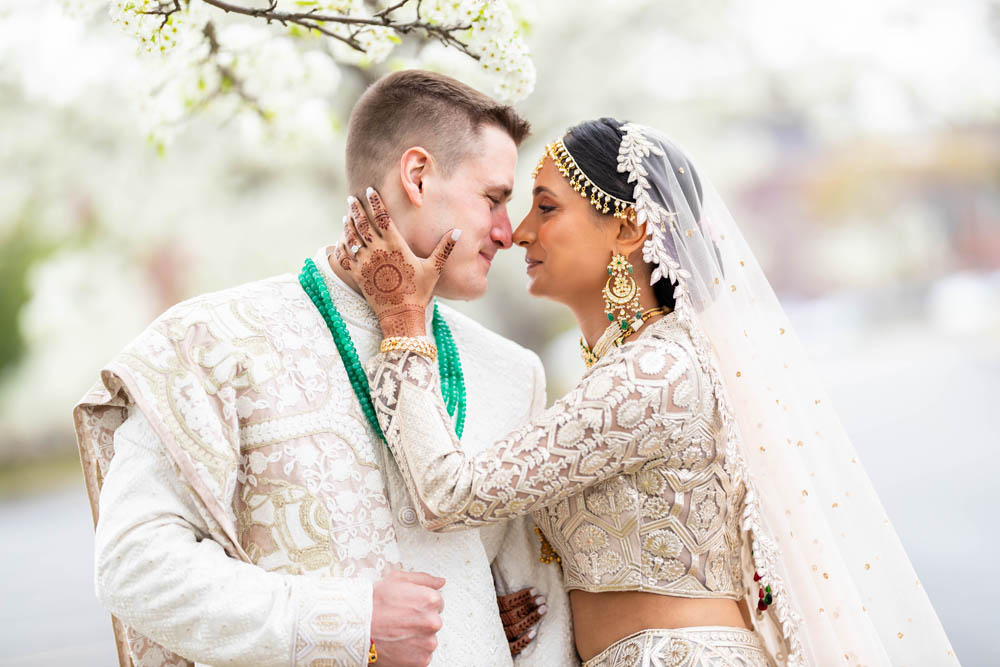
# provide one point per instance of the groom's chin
(462, 288)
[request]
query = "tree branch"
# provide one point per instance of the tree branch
(314, 20)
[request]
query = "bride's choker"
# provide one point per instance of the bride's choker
(613, 336)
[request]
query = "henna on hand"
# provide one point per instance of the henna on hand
(407, 321)
(519, 612)
(522, 626)
(514, 600)
(442, 257)
(360, 219)
(341, 256)
(387, 278)
(521, 642)
(382, 218)
(351, 239)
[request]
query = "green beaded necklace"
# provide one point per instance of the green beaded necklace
(452, 379)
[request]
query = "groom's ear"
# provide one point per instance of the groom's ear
(415, 166)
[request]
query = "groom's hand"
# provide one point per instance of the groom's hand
(406, 615)
(520, 612)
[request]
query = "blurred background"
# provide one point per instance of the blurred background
(857, 143)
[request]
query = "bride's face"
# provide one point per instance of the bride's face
(567, 244)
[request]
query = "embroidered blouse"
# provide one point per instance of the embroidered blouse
(625, 474)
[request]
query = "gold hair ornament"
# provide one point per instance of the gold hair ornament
(604, 202)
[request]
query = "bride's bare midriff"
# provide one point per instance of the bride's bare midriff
(601, 619)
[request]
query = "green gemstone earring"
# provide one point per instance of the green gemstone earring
(621, 293)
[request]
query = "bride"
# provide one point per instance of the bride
(696, 488)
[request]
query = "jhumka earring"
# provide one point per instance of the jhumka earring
(621, 294)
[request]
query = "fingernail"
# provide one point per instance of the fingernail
(369, 192)
(540, 600)
(351, 199)
(344, 220)
(454, 237)
(532, 633)
(543, 609)
(533, 592)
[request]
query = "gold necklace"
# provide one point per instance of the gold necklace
(613, 336)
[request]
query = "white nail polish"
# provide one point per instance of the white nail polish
(533, 592)
(543, 609)
(369, 192)
(344, 220)
(539, 600)
(454, 237)
(351, 199)
(532, 633)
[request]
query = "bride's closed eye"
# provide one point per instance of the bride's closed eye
(546, 209)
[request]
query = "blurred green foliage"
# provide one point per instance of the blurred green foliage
(22, 246)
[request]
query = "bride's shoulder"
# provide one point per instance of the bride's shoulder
(663, 348)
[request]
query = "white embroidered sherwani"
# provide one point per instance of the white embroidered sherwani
(246, 507)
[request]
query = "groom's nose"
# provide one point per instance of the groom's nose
(500, 231)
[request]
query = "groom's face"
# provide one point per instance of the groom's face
(472, 198)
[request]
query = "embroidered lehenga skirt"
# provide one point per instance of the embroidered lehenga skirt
(702, 646)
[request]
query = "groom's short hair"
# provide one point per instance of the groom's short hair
(419, 108)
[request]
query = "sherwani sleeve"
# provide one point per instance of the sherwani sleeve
(517, 566)
(156, 570)
(622, 414)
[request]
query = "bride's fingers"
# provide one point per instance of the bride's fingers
(512, 616)
(359, 220)
(522, 642)
(444, 248)
(522, 626)
(516, 599)
(340, 254)
(383, 221)
(351, 239)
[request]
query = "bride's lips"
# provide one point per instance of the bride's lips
(532, 263)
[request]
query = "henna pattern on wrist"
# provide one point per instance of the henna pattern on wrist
(406, 321)
(387, 278)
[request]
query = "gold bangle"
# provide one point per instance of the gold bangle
(416, 345)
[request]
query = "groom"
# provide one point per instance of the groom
(246, 510)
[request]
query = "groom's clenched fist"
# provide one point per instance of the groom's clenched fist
(406, 615)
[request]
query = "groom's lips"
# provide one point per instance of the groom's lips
(488, 256)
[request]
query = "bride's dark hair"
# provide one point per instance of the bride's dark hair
(594, 146)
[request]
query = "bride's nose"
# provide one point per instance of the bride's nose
(524, 235)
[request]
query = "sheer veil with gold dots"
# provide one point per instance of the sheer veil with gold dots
(844, 591)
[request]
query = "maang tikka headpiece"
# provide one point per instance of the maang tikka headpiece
(603, 201)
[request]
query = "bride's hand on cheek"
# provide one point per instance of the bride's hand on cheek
(397, 284)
